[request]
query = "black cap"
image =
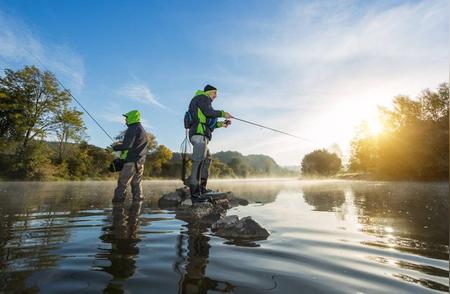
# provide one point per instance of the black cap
(209, 88)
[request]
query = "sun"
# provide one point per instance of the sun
(375, 126)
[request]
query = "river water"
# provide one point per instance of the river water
(326, 237)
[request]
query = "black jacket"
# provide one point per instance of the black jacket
(135, 141)
(203, 115)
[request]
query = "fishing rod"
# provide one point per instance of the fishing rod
(73, 97)
(274, 130)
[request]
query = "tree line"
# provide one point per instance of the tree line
(413, 143)
(43, 138)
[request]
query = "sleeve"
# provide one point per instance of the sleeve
(204, 103)
(219, 124)
(128, 140)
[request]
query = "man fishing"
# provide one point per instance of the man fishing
(134, 151)
(204, 121)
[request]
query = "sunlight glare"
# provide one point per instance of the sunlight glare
(375, 126)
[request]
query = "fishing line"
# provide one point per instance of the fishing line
(73, 97)
(272, 129)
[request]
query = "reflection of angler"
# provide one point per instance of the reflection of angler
(192, 267)
(123, 239)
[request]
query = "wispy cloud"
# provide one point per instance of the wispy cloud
(112, 113)
(139, 91)
(322, 67)
(19, 45)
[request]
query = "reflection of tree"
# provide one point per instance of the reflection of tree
(414, 216)
(31, 228)
(123, 239)
(192, 265)
(323, 200)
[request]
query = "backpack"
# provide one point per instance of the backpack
(188, 121)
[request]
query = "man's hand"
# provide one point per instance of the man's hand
(227, 115)
(226, 123)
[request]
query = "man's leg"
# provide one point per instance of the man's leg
(136, 184)
(198, 155)
(125, 176)
(205, 172)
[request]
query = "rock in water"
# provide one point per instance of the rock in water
(172, 199)
(245, 228)
(213, 212)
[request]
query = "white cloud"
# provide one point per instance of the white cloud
(19, 45)
(139, 91)
(320, 68)
(112, 113)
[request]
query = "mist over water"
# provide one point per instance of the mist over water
(326, 237)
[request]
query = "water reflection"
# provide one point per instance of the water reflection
(193, 260)
(407, 217)
(120, 232)
(323, 200)
(326, 235)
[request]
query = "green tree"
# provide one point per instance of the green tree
(219, 169)
(156, 160)
(30, 100)
(321, 162)
(415, 141)
(69, 128)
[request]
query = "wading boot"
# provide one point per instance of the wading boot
(196, 196)
(203, 188)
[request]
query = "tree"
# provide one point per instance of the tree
(69, 127)
(157, 159)
(363, 151)
(30, 100)
(321, 162)
(219, 169)
(414, 144)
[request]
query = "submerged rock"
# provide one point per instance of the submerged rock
(234, 228)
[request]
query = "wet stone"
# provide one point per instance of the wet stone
(234, 228)
(212, 213)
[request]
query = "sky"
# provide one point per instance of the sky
(312, 68)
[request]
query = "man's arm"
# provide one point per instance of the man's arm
(204, 103)
(128, 140)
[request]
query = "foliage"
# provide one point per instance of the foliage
(251, 165)
(33, 107)
(414, 141)
(156, 160)
(30, 100)
(321, 163)
(69, 128)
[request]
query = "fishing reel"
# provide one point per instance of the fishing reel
(227, 122)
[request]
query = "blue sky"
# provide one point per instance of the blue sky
(313, 68)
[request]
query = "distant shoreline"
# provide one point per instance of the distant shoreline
(344, 177)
